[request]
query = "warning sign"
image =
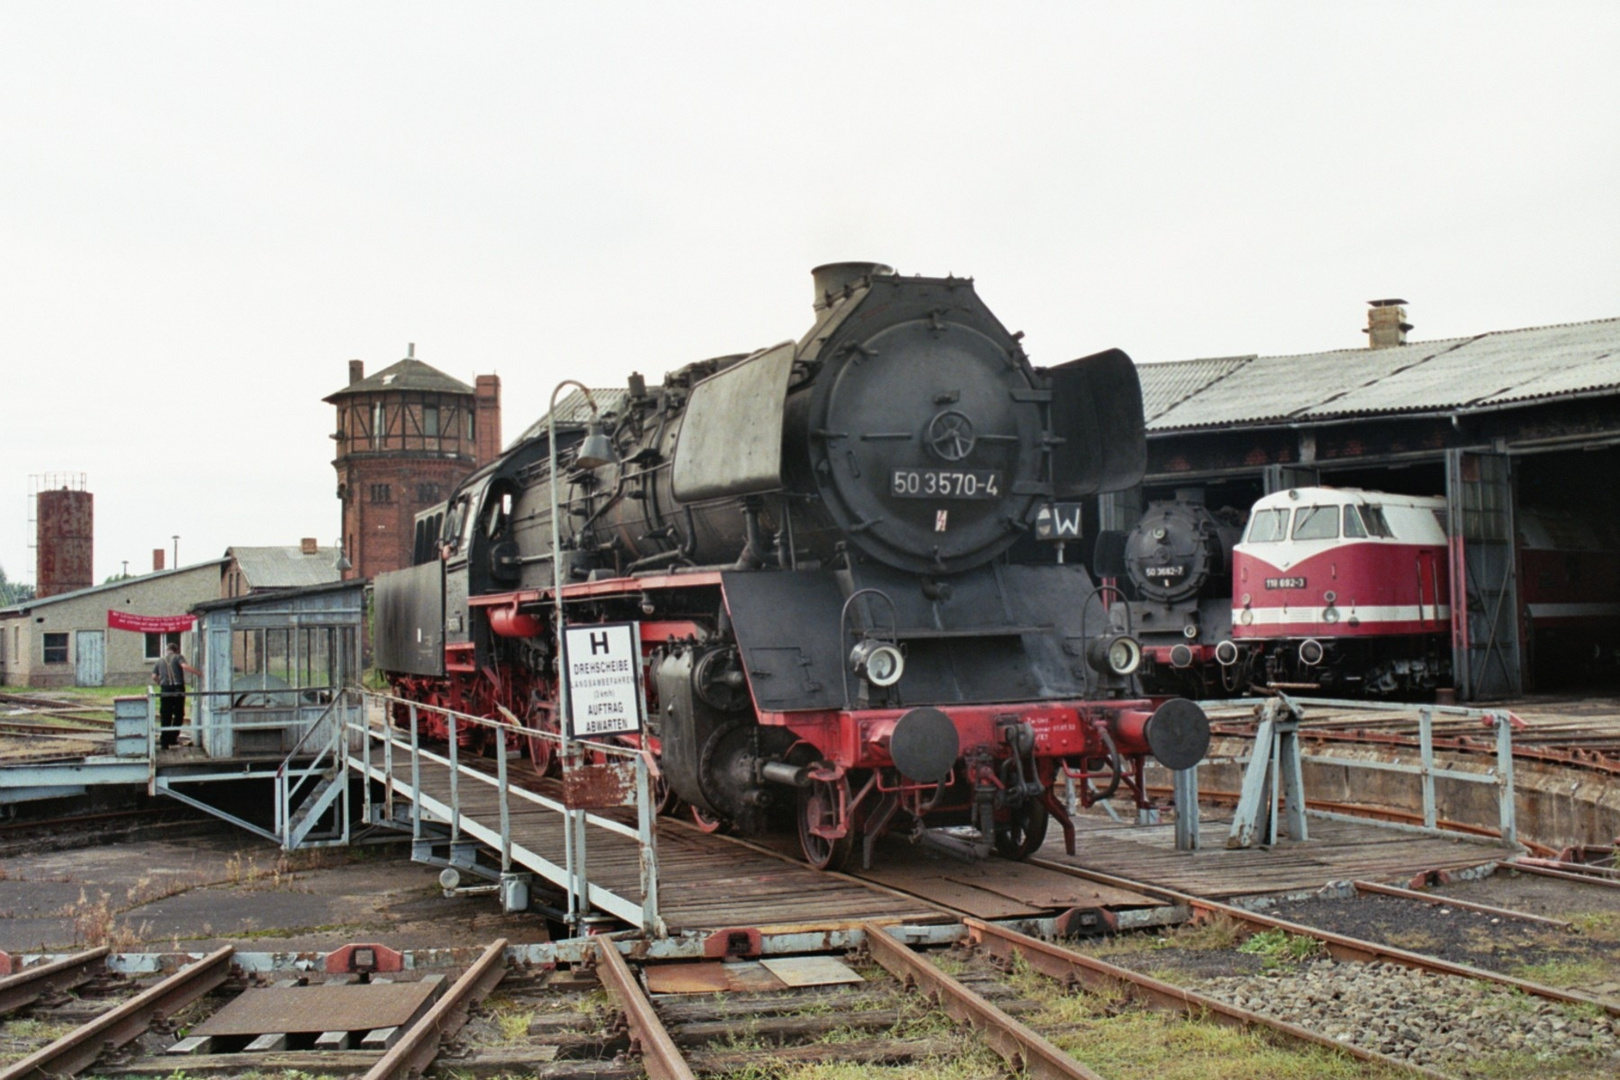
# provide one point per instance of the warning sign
(604, 679)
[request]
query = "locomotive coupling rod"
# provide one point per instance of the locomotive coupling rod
(419, 1045)
(79, 1048)
(27, 987)
(1020, 1047)
(659, 1055)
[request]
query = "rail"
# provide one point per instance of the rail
(393, 754)
(1026, 1051)
(419, 1044)
(29, 985)
(660, 1057)
(1500, 722)
(79, 1048)
(1070, 967)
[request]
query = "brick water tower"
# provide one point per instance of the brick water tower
(64, 546)
(406, 437)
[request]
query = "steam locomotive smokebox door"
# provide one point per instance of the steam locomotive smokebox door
(731, 439)
(1097, 413)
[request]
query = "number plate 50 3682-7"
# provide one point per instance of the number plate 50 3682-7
(945, 484)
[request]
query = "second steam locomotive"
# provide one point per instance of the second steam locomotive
(825, 548)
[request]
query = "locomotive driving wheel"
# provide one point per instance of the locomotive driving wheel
(1024, 830)
(820, 806)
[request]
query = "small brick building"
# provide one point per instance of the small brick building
(405, 437)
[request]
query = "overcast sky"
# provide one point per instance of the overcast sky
(207, 209)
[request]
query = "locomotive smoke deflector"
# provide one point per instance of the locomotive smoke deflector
(1097, 416)
(717, 457)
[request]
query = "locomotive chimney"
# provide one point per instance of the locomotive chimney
(1386, 323)
(832, 280)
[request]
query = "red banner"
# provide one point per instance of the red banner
(149, 624)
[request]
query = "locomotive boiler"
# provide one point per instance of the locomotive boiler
(818, 544)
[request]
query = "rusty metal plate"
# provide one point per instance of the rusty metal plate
(712, 977)
(596, 787)
(292, 1010)
(811, 971)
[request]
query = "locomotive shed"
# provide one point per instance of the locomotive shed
(1508, 428)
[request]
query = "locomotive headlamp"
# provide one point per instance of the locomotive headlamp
(878, 662)
(597, 449)
(1116, 654)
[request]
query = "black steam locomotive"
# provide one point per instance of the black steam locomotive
(1175, 570)
(825, 547)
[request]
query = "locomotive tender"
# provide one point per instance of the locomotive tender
(820, 544)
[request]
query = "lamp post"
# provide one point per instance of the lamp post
(594, 452)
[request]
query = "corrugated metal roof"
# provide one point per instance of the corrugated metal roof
(1459, 373)
(573, 410)
(1170, 388)
(285, 567)
(408, 374)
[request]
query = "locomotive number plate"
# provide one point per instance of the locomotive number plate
(1285, 583)
(945, 484)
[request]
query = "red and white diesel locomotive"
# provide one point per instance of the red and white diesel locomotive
(819, 544)
(1342, 589)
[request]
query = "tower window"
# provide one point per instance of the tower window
(380, 493)
(377, 425)
(472, 433)
(430, 420)
(427, 493)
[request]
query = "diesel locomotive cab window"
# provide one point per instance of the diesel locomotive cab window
(1377, 524)
(1316, 523)
(1268, 526)
(1352, 523)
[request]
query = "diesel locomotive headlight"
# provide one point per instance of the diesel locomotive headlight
(1119, 654)
(878, 662)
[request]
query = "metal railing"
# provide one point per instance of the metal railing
(327, 766)
(1427, 772)
(395, 756)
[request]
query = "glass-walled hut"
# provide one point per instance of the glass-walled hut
(272, 665)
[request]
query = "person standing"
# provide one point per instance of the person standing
(170, 676)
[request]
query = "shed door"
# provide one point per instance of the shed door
(1484, 580)
(90, 653)
(215, 708)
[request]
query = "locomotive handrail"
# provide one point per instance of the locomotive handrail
(573, 868)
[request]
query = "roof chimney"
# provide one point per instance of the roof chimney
(487, 400)
(307, 546)
(357, 371)
(1386, 323)
(157, 559)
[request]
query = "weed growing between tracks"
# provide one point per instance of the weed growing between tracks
(1123, 1040)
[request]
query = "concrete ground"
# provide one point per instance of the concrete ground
(196, 887)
